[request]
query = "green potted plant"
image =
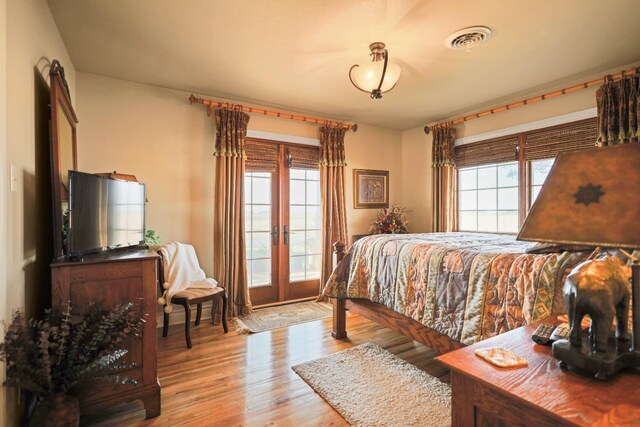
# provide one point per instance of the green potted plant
(152, 239)
(52, 357)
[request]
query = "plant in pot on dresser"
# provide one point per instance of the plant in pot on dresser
(53, 357)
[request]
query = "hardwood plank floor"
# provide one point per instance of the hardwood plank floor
(247, 380)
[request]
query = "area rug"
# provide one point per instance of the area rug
(369, 386)
(265, 319)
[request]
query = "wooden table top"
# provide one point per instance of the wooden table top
(543, 384)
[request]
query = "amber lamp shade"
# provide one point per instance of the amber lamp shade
(590, 197)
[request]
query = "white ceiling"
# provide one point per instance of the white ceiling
(295, 54)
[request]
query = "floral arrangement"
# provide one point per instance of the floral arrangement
(391, 220)
(50, 356)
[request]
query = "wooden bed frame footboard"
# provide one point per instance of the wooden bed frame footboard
(387, 318)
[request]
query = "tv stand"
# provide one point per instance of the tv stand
(106, 279)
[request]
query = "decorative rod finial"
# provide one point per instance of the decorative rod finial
(427, 130)
(354, 127)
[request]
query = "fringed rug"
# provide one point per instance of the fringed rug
(265, 319)
(369, 386)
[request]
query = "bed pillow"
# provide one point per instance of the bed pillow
(549, 248)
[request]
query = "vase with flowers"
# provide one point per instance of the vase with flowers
(52, 357)
(392, 220)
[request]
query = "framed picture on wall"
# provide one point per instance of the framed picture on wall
(370, 189)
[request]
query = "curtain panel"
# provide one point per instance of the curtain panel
(444, 179)
(618, 111)
(332, 187)
(230, 263)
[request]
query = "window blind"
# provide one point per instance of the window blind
(549, 142)
(303, 157)
(261, 156)
(495, 150)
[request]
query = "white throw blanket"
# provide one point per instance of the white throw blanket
(181, 271)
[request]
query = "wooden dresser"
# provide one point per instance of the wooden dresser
(109, 279)
(541, 394)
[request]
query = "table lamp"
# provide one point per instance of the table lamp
(592, 197)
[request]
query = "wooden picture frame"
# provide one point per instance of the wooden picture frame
(370, 189)
(64, 155)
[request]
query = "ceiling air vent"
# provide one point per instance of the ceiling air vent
(468, 38)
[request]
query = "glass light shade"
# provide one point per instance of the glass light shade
(367, 77)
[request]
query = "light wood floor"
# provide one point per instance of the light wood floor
(246, 380)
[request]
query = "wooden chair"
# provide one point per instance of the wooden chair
(189, 297)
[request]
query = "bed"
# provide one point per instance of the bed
(447, 290)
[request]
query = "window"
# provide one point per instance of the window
(539, 171)
(488, 198)
(499, 179)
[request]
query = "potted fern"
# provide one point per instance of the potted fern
(52, 357)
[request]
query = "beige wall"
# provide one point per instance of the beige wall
(416, 178)
(32, 43)
(167, 143)
(416, 145)
(155, 134)
(3, 190)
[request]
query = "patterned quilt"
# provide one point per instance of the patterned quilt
(468, 286)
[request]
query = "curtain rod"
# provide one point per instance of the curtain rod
(214, 104)
(607, 78)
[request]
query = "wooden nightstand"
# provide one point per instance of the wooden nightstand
(541, 394)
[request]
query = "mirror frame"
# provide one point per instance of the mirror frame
(61, 109)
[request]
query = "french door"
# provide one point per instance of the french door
(283, 230)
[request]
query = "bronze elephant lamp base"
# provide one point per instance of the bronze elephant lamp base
(583, 354)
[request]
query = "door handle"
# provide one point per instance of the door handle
(274, 235)
(286, 235)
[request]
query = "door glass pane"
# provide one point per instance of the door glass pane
(296, 191)
(297, 268)
(314, 244)
(257, 224)
(304, 218)
(313, 266)
(261, 190)
(261, 272)
(260, 217)
(313, 217)
(261, 245)
(297, 219)
(313, 193)
(296, 243)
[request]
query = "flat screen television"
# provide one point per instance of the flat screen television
(104, 213)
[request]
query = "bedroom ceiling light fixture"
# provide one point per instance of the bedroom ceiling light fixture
(377, 77)
(468, 38)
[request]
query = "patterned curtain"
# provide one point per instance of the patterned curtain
(618, 112)
(230, 259)
(334, 208)
(444, 180)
